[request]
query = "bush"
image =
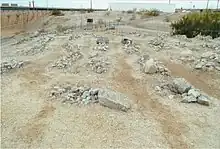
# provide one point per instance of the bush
(204, 23)
(57, 13)
(148, 13)
(154, 12)
(130, 11)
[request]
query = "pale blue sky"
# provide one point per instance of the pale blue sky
(104, 3)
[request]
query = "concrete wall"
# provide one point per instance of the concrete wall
(129, 6)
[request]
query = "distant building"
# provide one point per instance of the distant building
(5, 4)
(120, 6)
(14, 5)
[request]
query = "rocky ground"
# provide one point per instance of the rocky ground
(119, 85)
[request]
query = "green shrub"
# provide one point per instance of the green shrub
(204, 23)
(154, 12)
(149, 13)
(130, 11)
(57, 13)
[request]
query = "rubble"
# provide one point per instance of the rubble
(151, 66)
(40, 45)
(9, 65)
(68, 60)
(87, 95)
(102, 40)
(208, 61)
(188, 93)
(158, 42)
(73, 94)
(99, 65)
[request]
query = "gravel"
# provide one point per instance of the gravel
(8, 66)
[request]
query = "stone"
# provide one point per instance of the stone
(94, 92)
(203, 100)
(126, 40)
(102, 40)
(171, 97)
(199, 65)
(189, 99)
(207, 54)
(85, 94)
(210, 64)
(193, 92)
(150, 67)
(181, 85)
(114, 100)
(217, 68)
(157, 88)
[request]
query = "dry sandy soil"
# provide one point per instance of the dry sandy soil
(30, 119)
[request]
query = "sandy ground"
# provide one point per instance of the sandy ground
(29, 119)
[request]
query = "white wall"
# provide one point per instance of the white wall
(129, 6)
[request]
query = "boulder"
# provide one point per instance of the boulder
(150, 67)
(203, 100)
(114, 100)
(181, 85)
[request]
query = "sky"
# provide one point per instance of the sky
(105, 3)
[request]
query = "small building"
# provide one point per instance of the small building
(5, 4)
(124, 6)
(14, 5)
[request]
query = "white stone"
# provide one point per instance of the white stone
(207, 54)
(189, 99)
(181, 85)
(193, 92)
(199, 65)
(114, 100)
(150, 67)
(203, 100)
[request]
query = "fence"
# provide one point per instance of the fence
(16, 19)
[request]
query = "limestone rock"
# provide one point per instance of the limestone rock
(203, 100)
(114, 100)
(181, 85)
(189, 99)
(193, 92)
(150, 67)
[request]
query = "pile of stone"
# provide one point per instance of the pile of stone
(151, 66)
(75, 36)
(99, 64)
(40, 46)
(208, 61)
(68, 61)
(102, 40)
(10, 65)
(129, 46)
(85, 95)
(189, 94)
(102, 44)
(157, 42)
(80, 95)
(137, 34)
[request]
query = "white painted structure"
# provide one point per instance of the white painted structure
(165, 7)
